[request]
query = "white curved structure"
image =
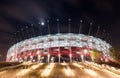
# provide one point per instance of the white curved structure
(29, 47)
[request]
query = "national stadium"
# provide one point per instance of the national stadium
(60, 47)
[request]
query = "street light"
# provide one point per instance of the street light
(38, 52)
(85, 51)
(70, 57)
(13, 54)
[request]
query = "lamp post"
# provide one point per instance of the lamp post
(80, 27)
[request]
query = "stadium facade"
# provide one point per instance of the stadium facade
(58, 47)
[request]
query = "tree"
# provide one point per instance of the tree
(96, 55)
(115, 54)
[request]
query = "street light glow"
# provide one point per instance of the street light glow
(85, 51)
(70, 55)
(38, 52)
(13, 54)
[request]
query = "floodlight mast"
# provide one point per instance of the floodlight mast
(91, 24)
(80, 27)
(40, 29)
(70, 55)
(49, 42)
(59, 55)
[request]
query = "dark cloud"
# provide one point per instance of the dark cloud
(22, 10)
(105, 5)
(5, 26)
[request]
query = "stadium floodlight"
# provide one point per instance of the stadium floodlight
(42, 23)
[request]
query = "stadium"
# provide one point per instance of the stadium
(61, 47)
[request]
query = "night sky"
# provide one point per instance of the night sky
(17, 14)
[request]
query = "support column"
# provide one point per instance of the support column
(48, 58)
(59, 57)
